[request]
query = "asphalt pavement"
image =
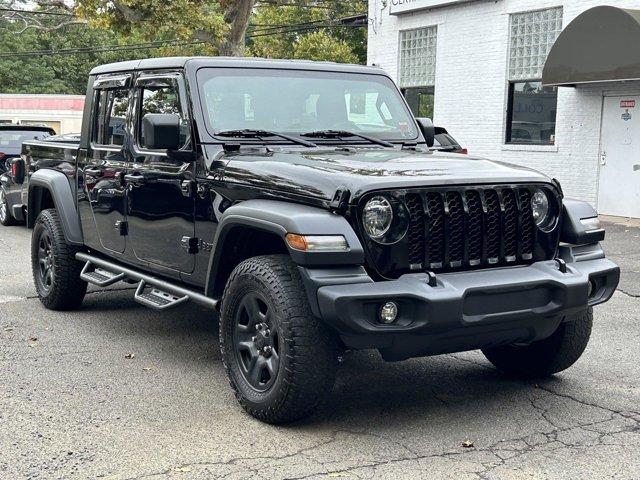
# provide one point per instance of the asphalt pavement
(121, 392)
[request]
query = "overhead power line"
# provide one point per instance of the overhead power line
(36, 12)
(348, 22)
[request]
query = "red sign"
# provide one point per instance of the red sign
(627, 104)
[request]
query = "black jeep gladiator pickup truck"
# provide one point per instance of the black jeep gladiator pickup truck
(300, 200)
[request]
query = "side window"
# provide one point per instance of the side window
(163, 99)
(110, 117)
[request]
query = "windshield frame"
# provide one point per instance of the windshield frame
(197, 82)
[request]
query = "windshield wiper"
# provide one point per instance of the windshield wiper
(249, 133)
(346, 134)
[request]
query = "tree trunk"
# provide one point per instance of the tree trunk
(237, 15)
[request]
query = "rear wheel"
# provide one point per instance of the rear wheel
(56, 272)
(279, 358)
(548, 356)
(6, 218)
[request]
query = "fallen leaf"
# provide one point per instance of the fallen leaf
(130, 355)
(8, 329)
(33, 339)
(146, 369)
(182, 469)
(467, 444)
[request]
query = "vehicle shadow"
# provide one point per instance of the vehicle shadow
(367, 389)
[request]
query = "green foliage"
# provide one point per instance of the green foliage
(299, 36)
(277, 29)
(36, 73)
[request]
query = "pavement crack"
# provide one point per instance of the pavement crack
(632, 295)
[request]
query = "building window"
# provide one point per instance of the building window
(531, 114)
(417, 68)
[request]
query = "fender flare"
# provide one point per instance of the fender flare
(58, 186)
(573, 231)
(279, 218)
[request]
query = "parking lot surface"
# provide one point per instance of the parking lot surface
(119, 391)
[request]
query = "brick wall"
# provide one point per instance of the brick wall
(471, 85)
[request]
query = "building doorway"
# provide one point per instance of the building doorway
(619, 186)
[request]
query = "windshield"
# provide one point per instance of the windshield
(11, 141)
(296, 102)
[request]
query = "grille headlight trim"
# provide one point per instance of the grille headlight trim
(540, 207)
(377, 217)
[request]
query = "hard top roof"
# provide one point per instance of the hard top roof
(229, 62)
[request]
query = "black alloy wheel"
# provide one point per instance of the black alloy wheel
(280, 359)
(56, 272)
(46, 269)
(257, 342)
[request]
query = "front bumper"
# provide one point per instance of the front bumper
(465, 310)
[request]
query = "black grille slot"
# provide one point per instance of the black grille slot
(492, 226)
(527, 224)
(455, 232)
(416, 232)
(466, 227)
(435, 231)
(510, 225)
(474, 227)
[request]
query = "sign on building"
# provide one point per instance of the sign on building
(403, 6)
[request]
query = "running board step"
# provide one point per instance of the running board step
(151, 292)
(156, 298)
(99, 276)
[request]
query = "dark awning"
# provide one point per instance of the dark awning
(600, 45)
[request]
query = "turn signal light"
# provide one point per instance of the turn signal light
(317, 243)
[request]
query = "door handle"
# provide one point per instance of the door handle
(94, 172)
(135, 179)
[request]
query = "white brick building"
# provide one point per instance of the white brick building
(459, 50)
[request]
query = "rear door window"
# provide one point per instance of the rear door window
(110, 125)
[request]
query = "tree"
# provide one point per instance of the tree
(220, 24)
(73, 37)
(312, 29)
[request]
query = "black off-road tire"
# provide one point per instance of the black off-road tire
(308, 350)
(63, 290)
(6, 218)
(549, 356)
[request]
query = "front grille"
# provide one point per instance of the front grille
(470, 227)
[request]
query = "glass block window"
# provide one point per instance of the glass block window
(532, 34)
(418, 57)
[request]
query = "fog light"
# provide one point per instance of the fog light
(389, 312)
(592, 288)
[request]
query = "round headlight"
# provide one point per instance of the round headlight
(377, 217)
(540, 207)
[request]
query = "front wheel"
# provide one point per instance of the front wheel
(280, 359)
(548, 356)
(56, 272)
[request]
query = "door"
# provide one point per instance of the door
(619, 188)
(160, 186)
(106, 161)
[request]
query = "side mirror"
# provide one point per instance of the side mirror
(18, 171)
(161, 131)
(428, 130)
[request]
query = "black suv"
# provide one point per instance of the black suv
(301, 201)
(11, 138)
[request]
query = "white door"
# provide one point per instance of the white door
(619, 188)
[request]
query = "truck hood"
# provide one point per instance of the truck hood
(319, 173)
